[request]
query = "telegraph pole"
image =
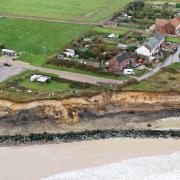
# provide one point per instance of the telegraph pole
(44, 52)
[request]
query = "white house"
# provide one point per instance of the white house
(144, 51)
(8, 52)
(113, 36)
(152, 46)
(69, 53)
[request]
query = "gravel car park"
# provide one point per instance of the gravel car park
(7, 70)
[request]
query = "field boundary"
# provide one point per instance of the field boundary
(36, 18)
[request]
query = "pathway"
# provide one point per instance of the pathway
(36, 18)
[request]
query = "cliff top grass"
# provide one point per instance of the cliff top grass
(166, 80)
(20, 88)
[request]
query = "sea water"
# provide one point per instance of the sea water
(163, 167)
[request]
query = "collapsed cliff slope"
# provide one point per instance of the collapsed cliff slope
(71, 111)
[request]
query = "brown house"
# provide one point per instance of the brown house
(119, 62)
(165, 26)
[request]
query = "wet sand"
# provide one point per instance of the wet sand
(38, 161)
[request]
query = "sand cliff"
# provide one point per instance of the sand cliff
(67, 110)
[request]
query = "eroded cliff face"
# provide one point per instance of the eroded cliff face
(67, 110)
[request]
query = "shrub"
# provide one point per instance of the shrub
(85, 53)
(131, 48)
(172, 78)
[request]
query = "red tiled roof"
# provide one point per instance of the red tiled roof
(162, 22)
(175, 21)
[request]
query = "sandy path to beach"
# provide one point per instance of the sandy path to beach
(38, 161)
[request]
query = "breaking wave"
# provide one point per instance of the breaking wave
(163, 167)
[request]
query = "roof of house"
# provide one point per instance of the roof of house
(175, 21)
(154, 41)
(43, 79)
(159, 36)
(122, 57)
(34, 77)
(8, 50)
(87, 40)
(162, 22)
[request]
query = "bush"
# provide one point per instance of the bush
(131, 48)
(177, 5)
(85, 53)
(172, 78)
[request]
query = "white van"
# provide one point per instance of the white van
(128, 72)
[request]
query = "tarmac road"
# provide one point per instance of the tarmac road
(20, 66)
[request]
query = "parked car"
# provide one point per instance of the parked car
(7, 64)
(135, 65)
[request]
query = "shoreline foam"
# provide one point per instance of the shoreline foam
(41, 161)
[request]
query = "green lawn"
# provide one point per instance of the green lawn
(32, 36)
(80, 10)
(22, 80)
(52, 86)
(140, 72)
(19, 88)
(168, 79)
(173, 39)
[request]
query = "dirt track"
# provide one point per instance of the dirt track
(35, 18)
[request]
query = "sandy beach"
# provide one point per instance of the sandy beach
(39, 161)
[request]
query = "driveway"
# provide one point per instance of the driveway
(170, 60)
(70, 75)
(20, 66)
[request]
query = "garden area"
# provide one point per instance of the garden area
(168, 79)
(96, 48)
(34, 42)
(141, 14)
(21, 88)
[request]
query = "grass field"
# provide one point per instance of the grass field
(173, 39)
(79, 10)
(168, 79)
(32, 37)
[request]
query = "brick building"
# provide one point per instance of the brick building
(165, 26)
(119, 62)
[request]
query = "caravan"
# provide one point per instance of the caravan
(128, 72)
